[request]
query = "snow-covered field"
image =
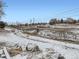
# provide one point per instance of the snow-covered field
(69, 51)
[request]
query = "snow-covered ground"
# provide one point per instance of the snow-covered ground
(69, 51)
(64, 26)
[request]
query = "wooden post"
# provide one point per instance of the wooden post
(6, 53)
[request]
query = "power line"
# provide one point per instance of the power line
(67, 11)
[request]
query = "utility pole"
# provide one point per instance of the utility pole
(1, 9)
(30, 22)
(33, 20)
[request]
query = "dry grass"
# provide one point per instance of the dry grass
(14, 51)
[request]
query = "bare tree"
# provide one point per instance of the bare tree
(70, 21)
(1, 9)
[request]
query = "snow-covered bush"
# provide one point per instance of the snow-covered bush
(60, 57)
(48, 53)
(39, 56)
(49, 50)
(32, 47)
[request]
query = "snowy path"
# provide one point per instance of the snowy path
(69, 51)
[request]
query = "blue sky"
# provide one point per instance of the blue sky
(41, 10)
